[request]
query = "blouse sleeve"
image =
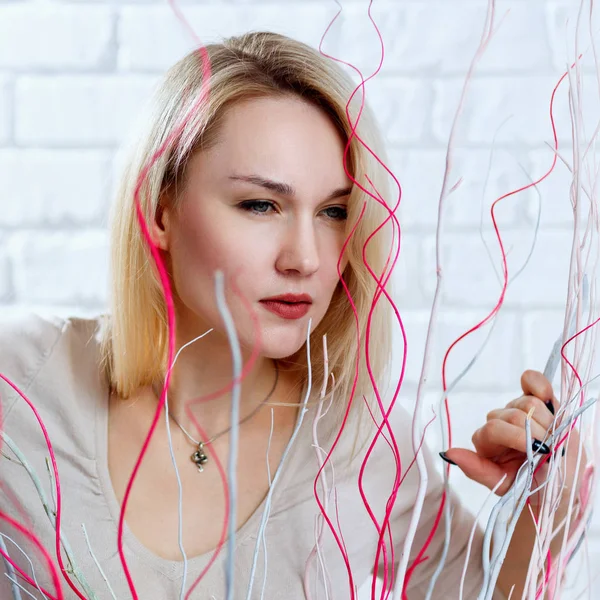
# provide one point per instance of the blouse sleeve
(25, 345)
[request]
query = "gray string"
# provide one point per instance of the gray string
(246, 418)
(10, 571)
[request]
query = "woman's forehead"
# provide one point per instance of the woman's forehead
(281, 139)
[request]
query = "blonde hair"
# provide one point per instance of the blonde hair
(258, 64)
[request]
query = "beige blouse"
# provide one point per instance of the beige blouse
(55, 362)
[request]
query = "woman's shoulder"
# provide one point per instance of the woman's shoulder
(29, 340)
(27, 337)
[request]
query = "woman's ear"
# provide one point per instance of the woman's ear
(160, 226)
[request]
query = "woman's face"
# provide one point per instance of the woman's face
(267, 206)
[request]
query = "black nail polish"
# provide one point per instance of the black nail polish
(449, 461)
(539, 446)
(549, 406)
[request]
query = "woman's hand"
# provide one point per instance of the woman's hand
(500, 443)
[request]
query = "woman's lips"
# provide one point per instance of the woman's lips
(287, 310)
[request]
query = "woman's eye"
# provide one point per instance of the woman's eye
(263, 207)
(256, 206)
(338, 213)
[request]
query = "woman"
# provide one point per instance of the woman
(253, 185)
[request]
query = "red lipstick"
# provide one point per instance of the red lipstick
(288, 306)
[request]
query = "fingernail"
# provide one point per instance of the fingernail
(539, 446)
(563, 451)
(549, 406)
(448, 460)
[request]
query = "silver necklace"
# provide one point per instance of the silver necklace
(199, 457)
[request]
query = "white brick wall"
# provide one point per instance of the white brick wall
(73, 76)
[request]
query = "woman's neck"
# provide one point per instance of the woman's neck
(204, 369)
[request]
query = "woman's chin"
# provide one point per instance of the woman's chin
(282, 344)
(275, 342)
(279, 349)
(279, 352)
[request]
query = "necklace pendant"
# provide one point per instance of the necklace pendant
(199, 457)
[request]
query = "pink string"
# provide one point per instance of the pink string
(206, 75)
(57, 524)
(353, 134)
(31, 536)
(563, 439)
(164, 279)
(489, 316)
(223, 475)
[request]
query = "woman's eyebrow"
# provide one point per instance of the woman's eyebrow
(284, 189)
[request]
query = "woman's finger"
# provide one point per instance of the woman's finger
(498, 434)
(481, 469)
(533, 383)
(541, 413)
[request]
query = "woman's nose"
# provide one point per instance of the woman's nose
(299, 251)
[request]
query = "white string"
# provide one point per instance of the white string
(266, 562)
(87, 541)
(10, 571)
(569, 510)
(549, 371)
(19, 587)
(33, 576)
(179, 500)
(320, 455)
(236, 354)
(450, 389)
(472, 534)
(523, 480)
(267, 509)
(323, 477)
(498, 556)
(52, 483)
(176, 469)
(474, 359)
(327, 499)
(416, 425)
